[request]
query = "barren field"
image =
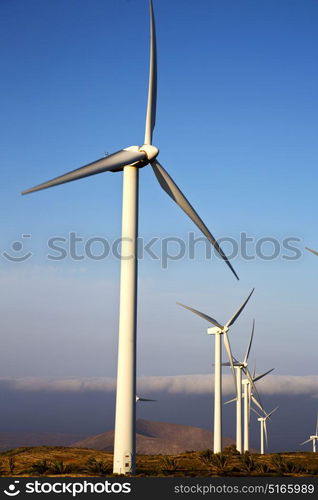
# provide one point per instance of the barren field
(77, 462)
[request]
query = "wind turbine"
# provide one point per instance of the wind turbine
(218, 331)
(263, 427)
(313, 439)
(249, 385)
(130, 160)
(240, 366)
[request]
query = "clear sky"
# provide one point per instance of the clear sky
(237, 129)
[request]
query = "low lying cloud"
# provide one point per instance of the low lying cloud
(176, 384)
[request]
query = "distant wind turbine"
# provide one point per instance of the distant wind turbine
(218, 331)
(248, 396)
(241, 366)
(313, 439)
(130, 160)
(263, 427)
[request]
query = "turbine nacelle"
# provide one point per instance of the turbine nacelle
(215, 330)
(150, 151)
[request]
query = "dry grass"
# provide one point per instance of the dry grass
(77, 462)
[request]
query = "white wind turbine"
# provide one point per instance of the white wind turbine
(314, 439)
(248, 396)
(240, 366)
(129, 160)
(263, 427)
(218, 331)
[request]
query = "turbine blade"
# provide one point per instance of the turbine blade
(227, 363)
(170, 187)
(263, 375)
(152, 89)
(230, 401)
(202, 315)
(266, 435)
(251, 381)
(229, 354)
(250, 344)
(271, 413)
(254, 371)
(238, 312)
(258, 404)
(308, 441)
(113, 163)
(144, 399)
(312, 251)
(253, 409)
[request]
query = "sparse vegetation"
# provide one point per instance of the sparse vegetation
(248, 463)
(168, 465)
(99, 467)
(11, 464)
(40, 467)
(231, 450)
(79, 462)
(59, 467)
(263, 468)
(217, 462)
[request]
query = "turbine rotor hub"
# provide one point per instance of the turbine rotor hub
(150, 150)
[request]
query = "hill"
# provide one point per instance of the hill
(10, 440)
(157, 438)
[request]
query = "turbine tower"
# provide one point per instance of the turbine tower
(218, 331)
(314, 438)
(248, 396)
(129, 160)
(239, 367)
(263, 428)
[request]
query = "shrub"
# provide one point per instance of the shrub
(231, 450)
(263, 468)
(248, 463)
(100, 467)
(11, 464)
(58, 467)
(168, 465)
(218, 462)
(284, 467)
(40, 467)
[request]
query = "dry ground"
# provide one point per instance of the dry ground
(77, 462)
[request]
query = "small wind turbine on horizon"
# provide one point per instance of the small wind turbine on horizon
(314, 439)
(248, 396)
(218, 330)
(263, 427)
(129, 160)
(239, 367)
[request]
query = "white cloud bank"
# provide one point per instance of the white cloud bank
(177, 384)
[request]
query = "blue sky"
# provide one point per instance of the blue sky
(237, 129)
